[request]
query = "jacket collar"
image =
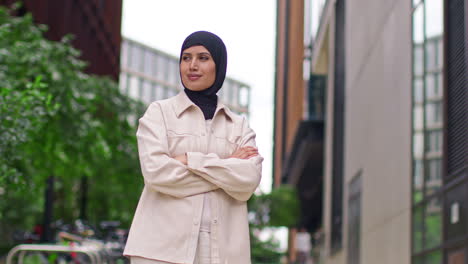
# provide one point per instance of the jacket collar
(182, 103)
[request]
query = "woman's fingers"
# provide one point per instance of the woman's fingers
(245, 152)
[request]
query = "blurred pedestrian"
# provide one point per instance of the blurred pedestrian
(303, 246)
(200, 165)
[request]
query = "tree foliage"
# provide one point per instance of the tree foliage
(279, 208)
(58, 121)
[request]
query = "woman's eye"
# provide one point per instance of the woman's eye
(185, 58)
(204, 58)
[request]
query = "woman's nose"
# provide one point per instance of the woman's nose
(194, 64)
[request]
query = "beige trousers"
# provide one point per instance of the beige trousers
(201, 257)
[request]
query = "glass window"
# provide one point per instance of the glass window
(418, 90)
(243, 96)
(161, 67)
(146, 95)
(440, 85)
(434, 170)
(135, 58)
(317, 7)
(418, 25)
(434, 18)
(155, 67)
(431, 56)
(222, 91)
(235, 94)
(123, 82)
(418, 121)
(418, 60)
(430, 86)
(433, 223)
(159, 91)
(227, 92)
(148, 62)
(418, 260)
(418, 228)
(427, 129)
(124, 54)
(134, 87)
(433, 113)
(418, 146)
(434, 258)
(417, 181)
(440, 53)
(434, 141)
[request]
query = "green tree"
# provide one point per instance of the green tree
(58, 121)
(279, 208)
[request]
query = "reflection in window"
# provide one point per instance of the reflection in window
(160, 93)
(418, 123)
(434, 141)
(433, 223)
(418, 229)
(124, 54)
(243, 96)
(146, 96)
(433, 113)
(418, 145)
(123, 82)
(418, 90)
(427, 128)
(434, 258)
(135, 57)
(418, 60)
(161, 66)
(134, 87)
(148, 62)
(418, 181)
(173, 71)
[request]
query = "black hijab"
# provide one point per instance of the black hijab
(207, 99)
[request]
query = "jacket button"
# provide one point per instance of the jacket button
(195, 223)
(215, 221)
(203, 134)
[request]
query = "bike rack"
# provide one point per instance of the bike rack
(92, 252)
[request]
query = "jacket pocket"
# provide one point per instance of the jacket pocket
(225, 147)
(180, 143)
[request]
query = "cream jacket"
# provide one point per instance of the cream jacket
(167, 219)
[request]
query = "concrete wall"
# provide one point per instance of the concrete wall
(378, 129)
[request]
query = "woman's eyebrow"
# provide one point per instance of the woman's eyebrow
(204, 53)
(200, 53)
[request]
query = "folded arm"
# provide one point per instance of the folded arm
(161, 172)
(238, 177)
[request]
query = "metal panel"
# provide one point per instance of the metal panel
(338, 130)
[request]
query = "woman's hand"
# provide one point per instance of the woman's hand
(182, 158)
(241, 153)
(245, 153)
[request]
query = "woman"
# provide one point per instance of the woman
(200, 165)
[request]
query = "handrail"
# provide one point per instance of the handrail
(91, 252)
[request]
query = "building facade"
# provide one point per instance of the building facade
(393, 185)
(95, 25)
(149, 74)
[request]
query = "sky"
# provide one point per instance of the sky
(248, 29)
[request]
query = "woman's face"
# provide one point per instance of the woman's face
(197, 68)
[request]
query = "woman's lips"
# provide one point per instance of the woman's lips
(194, 77)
